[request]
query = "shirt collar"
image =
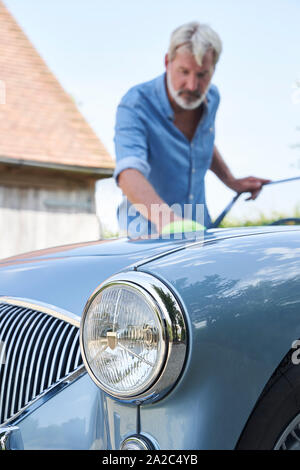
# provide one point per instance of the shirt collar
(164, 99)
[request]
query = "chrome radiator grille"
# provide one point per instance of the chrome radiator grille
(36, 351)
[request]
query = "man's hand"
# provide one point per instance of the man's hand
(146, 200)
(250, 184)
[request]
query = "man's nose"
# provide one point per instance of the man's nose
(192, 83)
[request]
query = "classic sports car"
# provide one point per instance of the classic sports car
(188, 343)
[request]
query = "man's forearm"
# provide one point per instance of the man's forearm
(143, 196)
(221, 170)
(250, 184)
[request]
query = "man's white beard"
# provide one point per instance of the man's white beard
(179, 100)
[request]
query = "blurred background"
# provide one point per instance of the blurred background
(94, 51)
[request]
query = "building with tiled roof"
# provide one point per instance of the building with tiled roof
(50, 158)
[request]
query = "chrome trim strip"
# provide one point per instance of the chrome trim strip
(10, 329)
(26, 358)
(10, 438)
(12, 351)
(37, 342)
(44, 397)
(65, 341)
(72, 349)
(38, 365)
(51, 347)
(56, 312)
(174, 334)
(33, 334)
(78, 354)
(142, 442)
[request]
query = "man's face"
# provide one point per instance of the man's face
(188, 81)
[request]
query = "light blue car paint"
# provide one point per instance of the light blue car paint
(240, 291)
(242, 298)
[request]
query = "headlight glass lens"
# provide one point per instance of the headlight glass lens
(123, 340)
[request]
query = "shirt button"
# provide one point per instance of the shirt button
(191, 196)
(193, 170)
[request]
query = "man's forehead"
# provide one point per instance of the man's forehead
(186, 58)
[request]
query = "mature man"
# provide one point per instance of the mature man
(164, 138)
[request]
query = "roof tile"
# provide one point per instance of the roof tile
(39, 120)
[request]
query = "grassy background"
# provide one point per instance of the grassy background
(261, 219)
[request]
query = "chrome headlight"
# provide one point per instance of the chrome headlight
(133, 337)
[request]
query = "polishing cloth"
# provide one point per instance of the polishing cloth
(181, 226)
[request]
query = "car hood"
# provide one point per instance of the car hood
(127, 247)
(66, 276)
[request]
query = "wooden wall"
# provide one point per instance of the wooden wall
(45, 212)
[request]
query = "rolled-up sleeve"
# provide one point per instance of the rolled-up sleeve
(130, 142)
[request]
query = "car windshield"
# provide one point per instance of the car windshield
(280, 201)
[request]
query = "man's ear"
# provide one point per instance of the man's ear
(166, 60)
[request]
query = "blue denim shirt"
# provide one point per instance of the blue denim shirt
(147, 140)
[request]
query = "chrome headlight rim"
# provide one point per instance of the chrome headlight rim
(175, 344)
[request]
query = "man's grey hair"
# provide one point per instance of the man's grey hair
(197, 38)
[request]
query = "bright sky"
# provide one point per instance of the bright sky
(99, 49)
